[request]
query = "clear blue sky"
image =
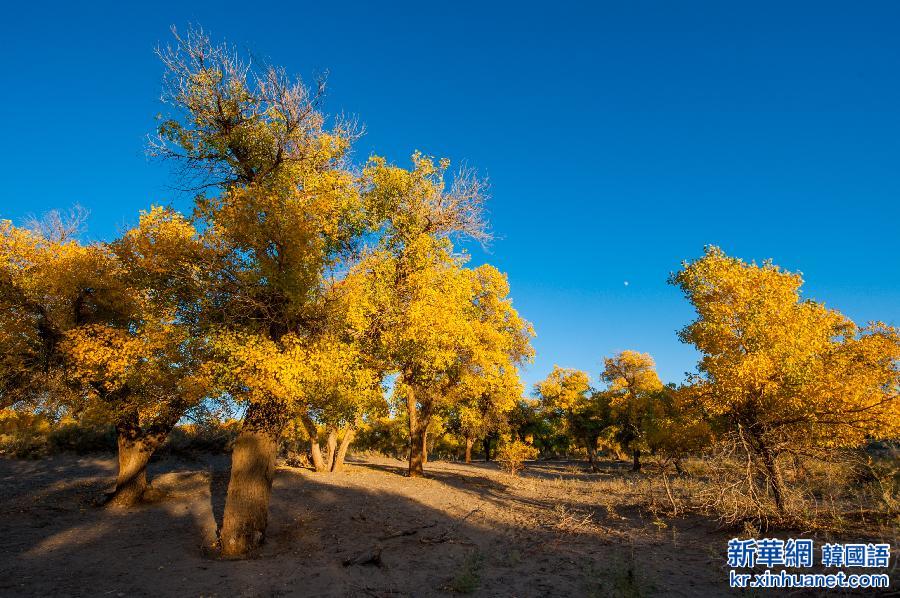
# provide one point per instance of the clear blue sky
(619, 138)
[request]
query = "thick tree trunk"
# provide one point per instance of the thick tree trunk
(416, 452)
(252, 472)
(637, 460)
(338, 463)
(134, 454)
(469, 443)
(486, 443)
(315, 450)
(425, 445)
(135, 447)
(331, 445)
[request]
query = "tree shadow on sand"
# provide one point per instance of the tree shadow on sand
(323, 529)
(485, 481)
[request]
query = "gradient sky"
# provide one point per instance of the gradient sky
(619, 138)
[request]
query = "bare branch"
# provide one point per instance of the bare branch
(59, 227)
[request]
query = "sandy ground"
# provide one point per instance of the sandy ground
(469, 528)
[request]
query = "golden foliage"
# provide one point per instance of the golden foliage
(565, 389)
(511, 455)
(788, 369)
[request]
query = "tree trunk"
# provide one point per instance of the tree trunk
(770, 463)
(773, 473)
(418, 426)
(486, 443)
(469, 442)
(637, 460)
(592, 453)
(252, 472)
(416, 452)
(135, 447)
(134, 454)
(314, 449)
(425, 445)
(316, 452)
(332, 447)
(338, 463)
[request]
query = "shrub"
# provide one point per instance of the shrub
(23, 435)
(512, 455)
(469, 577)
(206, 437)
(33, 435)
(82, 436)
(385, 436)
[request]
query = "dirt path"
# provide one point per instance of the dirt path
(467, 529)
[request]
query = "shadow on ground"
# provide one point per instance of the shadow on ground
(464, 530)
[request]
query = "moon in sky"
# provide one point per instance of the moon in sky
(626, 283)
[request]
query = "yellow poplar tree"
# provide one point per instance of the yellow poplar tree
(429, 345)
(144, 366)
(489, 386)
(679, 425)
(786, 375)
(339, 391)
(101, 328)
(566, 393)
(419, 309)
(450, 333)
(279, 207)
(633, 387)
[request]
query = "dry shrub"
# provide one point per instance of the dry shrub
(295, 459)
(511, 455)
(571, 520)
(822, 488)
(876, 484)
(738, 489)
(736, 494)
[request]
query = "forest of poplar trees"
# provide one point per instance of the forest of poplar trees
(315, 306)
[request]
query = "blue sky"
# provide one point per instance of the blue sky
(619, 138)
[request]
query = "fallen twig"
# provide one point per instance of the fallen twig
(371, 557)
(406, 532)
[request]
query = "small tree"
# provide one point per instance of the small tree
(144, 367)
(512, 454)
(567, 394)
(678, 425)
(429, 319)
(482, 407)
(529, 421)
(337, 389)
(489, 385)
(104, 328)
(633, 386)
(419, 311)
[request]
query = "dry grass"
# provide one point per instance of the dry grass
(847, 493)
